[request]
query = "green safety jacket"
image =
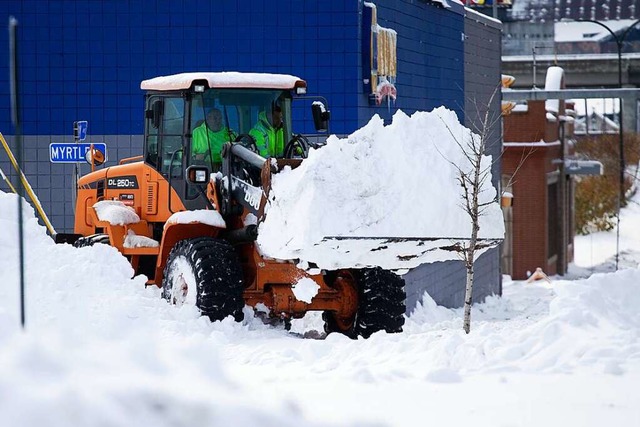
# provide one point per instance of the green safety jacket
(270, 141)
(205, 141)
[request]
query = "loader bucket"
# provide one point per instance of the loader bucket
(390, 253)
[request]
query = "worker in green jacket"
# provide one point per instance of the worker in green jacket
(269, 133)
(209, 137)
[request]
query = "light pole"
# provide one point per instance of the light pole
(619, 44)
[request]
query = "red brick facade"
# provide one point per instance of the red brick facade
(542, 208)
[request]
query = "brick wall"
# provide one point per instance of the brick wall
(530, 185)
(529, 206)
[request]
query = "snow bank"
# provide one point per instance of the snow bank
(591, 324)
(398, 180)
(103, 350)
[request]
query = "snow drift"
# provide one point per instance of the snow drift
(382, 181)
(100, 349)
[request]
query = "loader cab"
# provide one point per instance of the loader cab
(173, 114)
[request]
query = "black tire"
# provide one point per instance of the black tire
(381, 304)
(92, 240)
(214, 266)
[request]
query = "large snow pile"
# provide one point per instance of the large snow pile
(382, 181)
(590, 324)
(101, 350)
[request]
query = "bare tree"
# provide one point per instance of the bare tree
(472, 181)
(472, 176)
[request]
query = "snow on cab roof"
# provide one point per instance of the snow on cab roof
(229, 79)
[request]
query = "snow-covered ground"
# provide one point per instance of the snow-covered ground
(101, 350)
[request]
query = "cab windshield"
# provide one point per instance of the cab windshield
(241, 109)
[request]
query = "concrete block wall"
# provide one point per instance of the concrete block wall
(445, 281)
(84, 60)
(483, 56)
(52, 183)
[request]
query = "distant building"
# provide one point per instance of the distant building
(595, 124)
(541, 33)
(541, 27)
(588, 37)
(556, 10)
(539, 223)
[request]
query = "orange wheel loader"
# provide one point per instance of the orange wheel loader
(188, 220)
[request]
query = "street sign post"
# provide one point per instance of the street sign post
(80, 130)
(74, 152)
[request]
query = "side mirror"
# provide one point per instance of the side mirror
(197, 175)
(320, 116)
(155, 113)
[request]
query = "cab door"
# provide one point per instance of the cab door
(166, 144)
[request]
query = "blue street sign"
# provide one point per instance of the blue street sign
(74, 153)
(80, 130)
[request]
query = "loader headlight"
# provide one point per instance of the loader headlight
(198, 174)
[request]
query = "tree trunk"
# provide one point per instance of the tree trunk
(468, 296)
(469, 257)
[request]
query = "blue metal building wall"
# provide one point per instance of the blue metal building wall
(430, 51)
(85, 59)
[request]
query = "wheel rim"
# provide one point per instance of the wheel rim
(346, 284)
(182, 282)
